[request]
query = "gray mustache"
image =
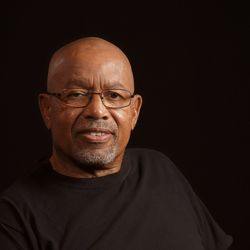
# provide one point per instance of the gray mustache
(96, 124)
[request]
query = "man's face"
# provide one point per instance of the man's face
(93, 135)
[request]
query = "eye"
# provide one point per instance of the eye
(74, 94)
(113, 95)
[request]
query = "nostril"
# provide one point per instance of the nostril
(94, 117)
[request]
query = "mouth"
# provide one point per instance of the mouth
(95, 135)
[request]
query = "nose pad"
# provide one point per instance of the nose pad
(96, 108)
(96, 97)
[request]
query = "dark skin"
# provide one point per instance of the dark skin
(93, 64)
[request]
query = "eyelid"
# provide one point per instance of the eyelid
(76, 90)
(92, 91)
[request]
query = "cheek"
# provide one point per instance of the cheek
(124, 121)
(62, 125)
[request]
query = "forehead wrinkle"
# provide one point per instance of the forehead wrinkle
(77, 83)
(77, 77)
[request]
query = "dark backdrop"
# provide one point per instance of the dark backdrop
(191, 64)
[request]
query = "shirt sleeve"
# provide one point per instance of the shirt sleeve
(12, 239)
(213, 236)
(12, 228)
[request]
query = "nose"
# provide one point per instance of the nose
(96, 109)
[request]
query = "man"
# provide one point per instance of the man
(93, 193)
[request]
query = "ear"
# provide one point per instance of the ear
(136, 107)
(45, 109)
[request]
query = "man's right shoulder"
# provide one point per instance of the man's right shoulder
(24, 182)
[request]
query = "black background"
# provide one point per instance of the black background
(191, 65)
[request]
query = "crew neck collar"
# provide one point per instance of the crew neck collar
(96, 182)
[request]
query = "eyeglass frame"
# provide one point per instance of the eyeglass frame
(91, 93)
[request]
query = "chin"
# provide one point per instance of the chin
(95, 157)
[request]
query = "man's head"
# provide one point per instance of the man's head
(95, 134)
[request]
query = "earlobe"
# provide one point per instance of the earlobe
(136, 107)
(45, 109)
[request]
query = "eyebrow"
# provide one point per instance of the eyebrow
(116, 85)
(85, 85)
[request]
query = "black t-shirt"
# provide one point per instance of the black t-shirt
(147, 205)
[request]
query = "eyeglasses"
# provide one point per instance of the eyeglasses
(79, 98)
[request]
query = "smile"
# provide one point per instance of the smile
(96, 136)
(97, 133)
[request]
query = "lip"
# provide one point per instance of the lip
(95, 135)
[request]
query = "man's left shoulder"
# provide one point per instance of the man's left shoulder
(150, 159)
(147, 154)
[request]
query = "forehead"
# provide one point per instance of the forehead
(91, 69)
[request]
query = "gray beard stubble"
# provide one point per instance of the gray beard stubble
(94, 158)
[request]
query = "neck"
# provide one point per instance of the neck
(72, 170)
